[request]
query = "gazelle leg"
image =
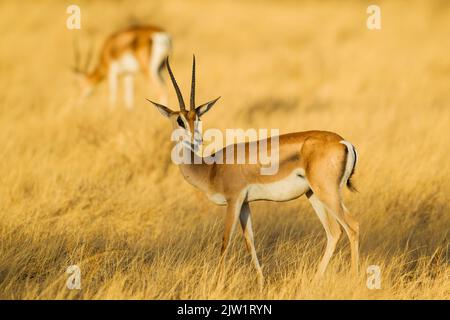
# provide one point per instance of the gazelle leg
(354, 234)
(246, 224)
(330, 195)
(233, 211)
(112, 81)
(129, 91)
(333, 203)
(351, 227)
(332, 229)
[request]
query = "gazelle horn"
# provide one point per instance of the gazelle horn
(192, 104)
(175, 85)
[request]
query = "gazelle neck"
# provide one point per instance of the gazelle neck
(197, 171)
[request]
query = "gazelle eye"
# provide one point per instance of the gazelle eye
(180, 123)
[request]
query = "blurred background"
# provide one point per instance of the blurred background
(95, 187)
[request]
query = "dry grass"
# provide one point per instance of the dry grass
(96, 188)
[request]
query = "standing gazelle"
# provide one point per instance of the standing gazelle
(315, 163)
(125, 53)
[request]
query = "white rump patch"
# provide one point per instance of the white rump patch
(162, 44)
(352, 157)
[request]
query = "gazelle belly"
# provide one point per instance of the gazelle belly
(127, 63)
(218, 199)
(291, 187)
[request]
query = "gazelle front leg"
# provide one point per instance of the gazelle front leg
(112, 81)
(233, 212)
(246, 224)
(129, 90)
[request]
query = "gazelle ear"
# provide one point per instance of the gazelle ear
(201, 110)
(166, 112)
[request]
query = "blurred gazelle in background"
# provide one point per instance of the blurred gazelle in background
(125, 53)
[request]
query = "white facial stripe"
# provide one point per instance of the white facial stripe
(197, 132)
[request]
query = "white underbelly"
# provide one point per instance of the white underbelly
(291, 187)
(127, 63)
(218, 198)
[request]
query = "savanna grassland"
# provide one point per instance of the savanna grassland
(96, 187)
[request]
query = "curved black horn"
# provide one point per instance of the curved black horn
(193, 84)
(175, 85)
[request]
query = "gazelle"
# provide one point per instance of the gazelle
(315, 163)
(125, 53)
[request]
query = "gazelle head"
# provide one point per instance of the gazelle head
(187, 120)
(82, 76)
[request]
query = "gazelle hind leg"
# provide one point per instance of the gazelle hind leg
(335, 208)
(332, 229)
(354, 226)
(324, 176)
(246, 224)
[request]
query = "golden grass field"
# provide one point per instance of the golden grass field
(96, 187)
